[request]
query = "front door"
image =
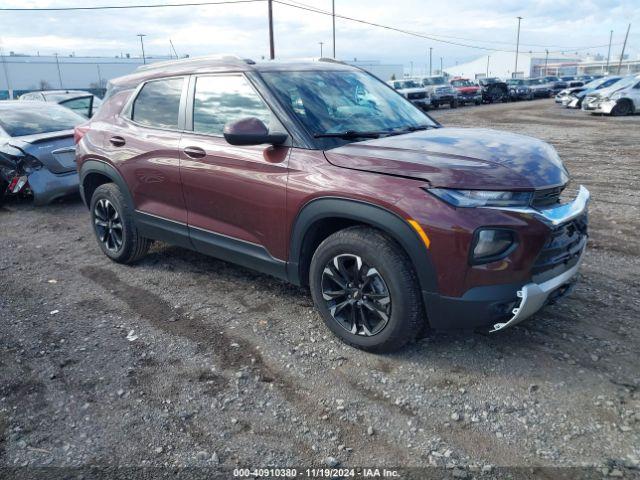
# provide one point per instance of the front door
(235, 196)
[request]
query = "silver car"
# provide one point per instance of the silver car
(622, 98)
(440, 91)
(37, 151)
(83, 103)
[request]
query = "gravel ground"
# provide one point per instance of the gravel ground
(184, 360)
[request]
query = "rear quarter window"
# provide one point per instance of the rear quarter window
(158, 103)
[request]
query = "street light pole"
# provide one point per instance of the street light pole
(546, 60)
(272, 52)
(321, 43)
(515, 71)
(488, 57)
(609, 51)
(441, 70)
(144, 58)
(430, 55)
(333, 15)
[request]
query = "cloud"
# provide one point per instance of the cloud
(242, 28)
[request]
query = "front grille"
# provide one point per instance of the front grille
(417, 95)
(562, 250)
(443, 90)
(547, 197)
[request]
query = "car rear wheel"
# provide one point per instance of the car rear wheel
(114, 227)
(365, 289)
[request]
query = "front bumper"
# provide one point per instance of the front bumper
(590, 103)
(606, 106)
(502, 306)
(421, 102)
(442, 99)
(470, 97)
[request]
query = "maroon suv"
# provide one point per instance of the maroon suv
(320, 174)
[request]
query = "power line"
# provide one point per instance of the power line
(433, 36)
(124, 7)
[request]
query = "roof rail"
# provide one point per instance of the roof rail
(189, 60)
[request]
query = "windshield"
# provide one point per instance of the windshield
(462, 83)
(408, 84)
(433, 81)
(27, 119)
(515, 82)
(335, 101)
(602, 82)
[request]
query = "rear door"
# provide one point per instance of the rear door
(143, 143)
(235, 195)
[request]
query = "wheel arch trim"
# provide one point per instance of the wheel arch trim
(364, 212)
(105, 169)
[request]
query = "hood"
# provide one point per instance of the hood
(55, 149)
(473, 89)
(465, 158)
(412, 90)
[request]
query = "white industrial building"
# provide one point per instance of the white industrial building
(502, 65)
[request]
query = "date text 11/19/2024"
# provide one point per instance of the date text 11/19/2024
(316, 472)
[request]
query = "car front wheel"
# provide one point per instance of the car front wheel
(114, 227)
(365, 289)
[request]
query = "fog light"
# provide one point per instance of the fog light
(491, 244)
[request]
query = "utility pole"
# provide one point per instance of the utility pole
(441, 69)
(144, 58)
(6, 73)
(59, 73)
(515, 70)
(624, 46)
(411, 68)
(430, 55)
(333, 15)
(321, 43)
(609, 51)
(546, 60)
(488, 57)
(99, 76)
(173, 48)
(272, 51)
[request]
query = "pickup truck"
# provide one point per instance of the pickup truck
(468, 92)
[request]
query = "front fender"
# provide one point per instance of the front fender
(389, 222)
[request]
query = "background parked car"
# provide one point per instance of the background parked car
(575, 99)
(540, 87)
(564, 95)
(493, 90)
(412, 91)
(83, 103)
(519, 90)
(37, 153)
(621, 98)
(468, 92)
(440, 91)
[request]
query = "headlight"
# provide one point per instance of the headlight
(490, 244)
(482, 198)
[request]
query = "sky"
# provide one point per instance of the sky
(242, 29)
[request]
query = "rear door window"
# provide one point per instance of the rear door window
(221, 99)
(158, 104)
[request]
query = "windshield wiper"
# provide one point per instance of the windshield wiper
(410, 129)
(349, 134)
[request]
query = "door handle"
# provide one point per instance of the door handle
(117, 141)
(194, 152)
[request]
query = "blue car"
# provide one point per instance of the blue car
(37, 151)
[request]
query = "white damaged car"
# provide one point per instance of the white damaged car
(622, 98)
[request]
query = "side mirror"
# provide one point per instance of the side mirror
(251, 131)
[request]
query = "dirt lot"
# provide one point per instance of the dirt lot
(185, 360)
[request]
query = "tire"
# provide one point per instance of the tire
(454, 104)
(3, 191)
(623, 107)
(106, 200)
(387, 274)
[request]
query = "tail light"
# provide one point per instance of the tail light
(79, 132)
(17, 183)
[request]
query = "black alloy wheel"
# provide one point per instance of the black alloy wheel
(356, 295)
(108, 225)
